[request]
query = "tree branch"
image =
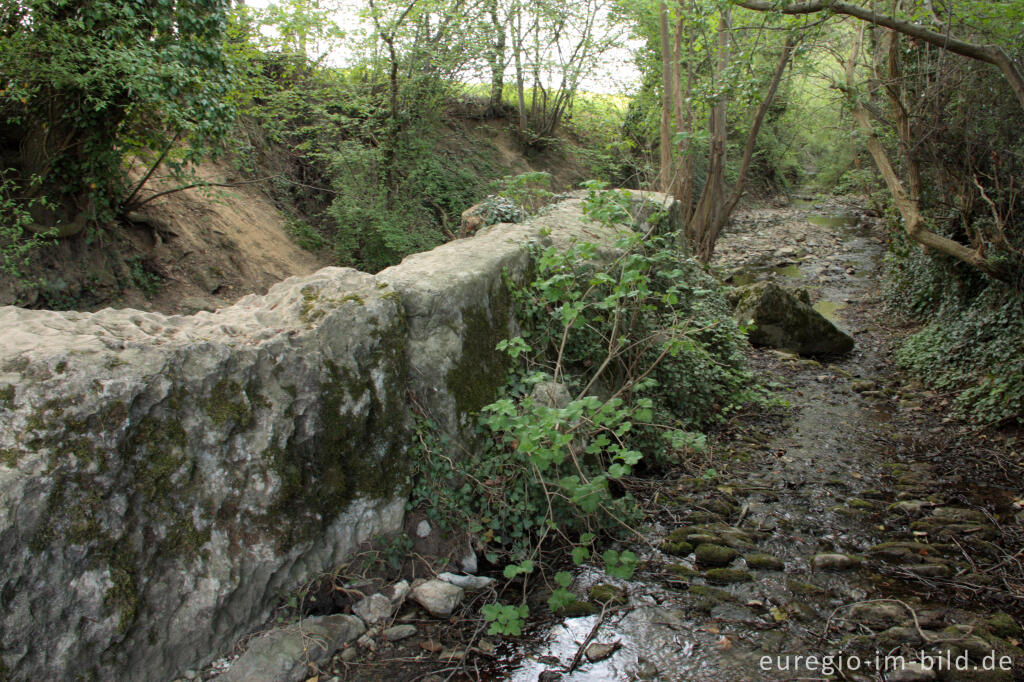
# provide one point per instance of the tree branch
(990, 54)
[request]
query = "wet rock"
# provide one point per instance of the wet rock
(781, 320)
(577, 609)
(913, 672)
(399, 632)
(880, 614)
(715, 555)
(603, 593)
(834, 562)
(764, 562)
(727, 576)
(438, 597)
(598, 651)
(467, 582)
(857, 503)
(283, 654)
(1002, 625)
(373, 609)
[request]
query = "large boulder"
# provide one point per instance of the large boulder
(779, 319)
(164, 479)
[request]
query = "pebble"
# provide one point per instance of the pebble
(438, 597)
(834, 562)
(373, 609)
(399, 632)
(598, 652)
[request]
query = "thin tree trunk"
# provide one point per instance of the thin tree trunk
(665, 148)
(906, 203)
(706, 215)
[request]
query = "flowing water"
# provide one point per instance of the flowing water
(818, 480)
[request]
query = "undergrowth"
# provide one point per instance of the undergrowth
(971, 344)
(627, 351)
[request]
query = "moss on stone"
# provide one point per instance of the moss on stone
(7, 392)
(577, 609)
(715, 555)
(804, 588)
(727, 576)
(9, 457)
(764, 562)
(676, 547)
(1003, 625)
(603, 593)
(351, 457)
(708, 592)
(228, 402)
(480, 372)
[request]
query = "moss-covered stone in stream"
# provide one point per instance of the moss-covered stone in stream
(603, 593)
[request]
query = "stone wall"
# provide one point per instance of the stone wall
(164, 479)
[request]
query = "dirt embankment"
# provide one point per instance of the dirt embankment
(204, 248)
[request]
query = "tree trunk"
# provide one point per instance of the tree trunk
(905, 202)
(497, 59)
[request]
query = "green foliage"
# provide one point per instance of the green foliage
(644, 340)
(972, 344)
(17, 242)
(504, 619)
(85, 85)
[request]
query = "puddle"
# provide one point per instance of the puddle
(829, 309)
(833, 221)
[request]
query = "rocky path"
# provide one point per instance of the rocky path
(846, 537)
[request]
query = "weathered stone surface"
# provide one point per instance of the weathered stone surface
(781, 320)
(168, 476)
(163, 479)
(373, 609)
(438, 597)
(834, 562)
(286, 654)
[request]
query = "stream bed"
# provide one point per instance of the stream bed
(822, 537)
